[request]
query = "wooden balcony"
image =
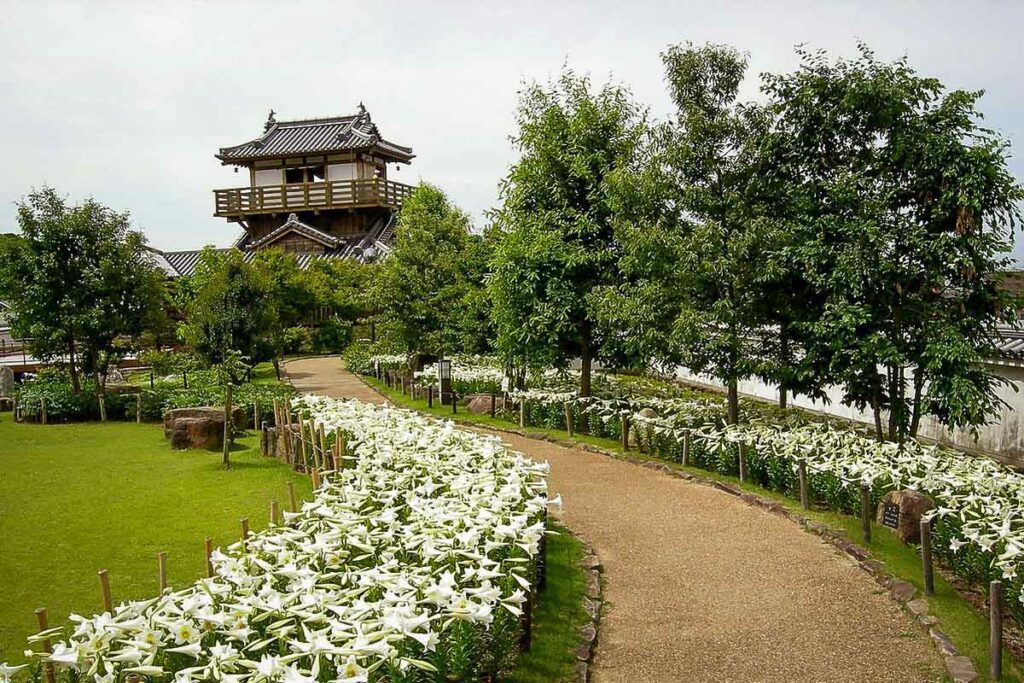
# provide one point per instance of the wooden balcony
(335, 194)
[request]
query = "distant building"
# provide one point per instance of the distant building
(316, 187)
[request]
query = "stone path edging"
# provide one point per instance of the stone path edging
(960, 668)
(593, 604)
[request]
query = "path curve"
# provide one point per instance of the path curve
(701, 586)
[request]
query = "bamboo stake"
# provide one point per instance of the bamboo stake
(275, 512)
(245, 530)
(43, 416)
(686, 448)
(108, 604)
(995, 630)
(208, 542)
(43, 625)
(522, 412)
(162, 563)
(256, 416)
(568, 418)
(138, 408)
(316, 478)
(323, 444)
(805, 498)
(625, 432)
(926, 557)
(302, 440)
(741, 448)
(277, 414)
(865, 513)
(291, 497)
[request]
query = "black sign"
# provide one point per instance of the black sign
(891, 516)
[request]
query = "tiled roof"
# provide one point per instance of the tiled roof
(293, 224)
(317, 136)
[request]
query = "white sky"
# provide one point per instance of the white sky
(129, 101)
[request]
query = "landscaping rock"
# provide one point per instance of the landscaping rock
(197, 432)
(6, 381)
(205, 413)
(910, 505)
(943, 642)
(902, 591)
(961, 669)
(481, 404)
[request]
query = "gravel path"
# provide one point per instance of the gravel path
(701, 586)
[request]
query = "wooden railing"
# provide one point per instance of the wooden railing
(306, 196)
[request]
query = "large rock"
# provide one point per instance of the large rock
(481, 404)
(197, 432)
(208, 412)
(901, 511)
(6, 381)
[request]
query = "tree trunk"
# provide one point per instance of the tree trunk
(915, 422)
(97, 384)
(228, 431)
(894, 406)
(277, 368)
(876, 407)
(786, 364)
(782, 397)
(586, 360)
(76, 382)
(733, 416)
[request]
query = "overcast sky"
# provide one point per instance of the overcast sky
(129, 101)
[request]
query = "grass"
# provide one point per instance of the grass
(558, 616)
(967, 627)
(76, 498)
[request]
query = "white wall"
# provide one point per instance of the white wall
(1003, 438)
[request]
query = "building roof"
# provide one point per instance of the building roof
(355, 132)
(294, 225)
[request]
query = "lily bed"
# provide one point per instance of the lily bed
(414, 562)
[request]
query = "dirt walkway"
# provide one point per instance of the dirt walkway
(701, 586)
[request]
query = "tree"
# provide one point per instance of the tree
(227, 307)
(289, 300)
(80, 282)
(903, 206)
(432, 270)
(558, 244)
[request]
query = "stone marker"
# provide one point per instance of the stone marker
(6, 381)
(481, 404)
(199, 427)
(900, 511)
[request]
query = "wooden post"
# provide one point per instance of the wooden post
(14, 408)
(138, 408)
(108, 604)
(430, 396)
(323, 445)
(302, 440)
(277, 414)
(741, 448)
(43, 415)
(926, 557)
(152, 384)
(805, 498)
(316, 478)
(161, 558)
(522, 411)
(245, 530)
(228, 426)
(494, 404)
(43, 625)
(256, 416)
(625, 432)
(995, 630)
(208, 542)
(274, 512)
(103, 407)
(455, 402)
(686, 448)
(865, 512)
(291, 497)
(568, 418)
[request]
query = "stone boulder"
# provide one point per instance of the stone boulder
(481, 404)
(901, 511)
(197, 432)
(197, 426)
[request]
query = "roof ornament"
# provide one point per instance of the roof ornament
(362, 109)
(270, 120)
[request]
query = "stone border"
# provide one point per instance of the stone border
(593, 604)
(960, 668)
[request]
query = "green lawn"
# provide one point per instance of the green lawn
(77, 498)
(965, 625)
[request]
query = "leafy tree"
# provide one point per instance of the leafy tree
(80, 283)
(432, 270)
(558, 245)
(227, 307)
(902, 207)
(289, 300)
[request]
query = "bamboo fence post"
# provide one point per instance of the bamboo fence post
(138, 408)
(277, 414)
(568, 418)
(316, 478)
(625, 432)
(522, 411)
(103, 408)
(995, 630)
(494, 404)
(245, 530)
(208, 542)
(455, 402)
(291, 497)
(805, 497)
(43, 415)
(926, 557)
(43, 625)
(302, 440)
(742, 450)
(161, 558)
(865, 512)
(275, 513)
(323, 443)
(255, 415)
(430, 396)
(686, 448)
(108, 603)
